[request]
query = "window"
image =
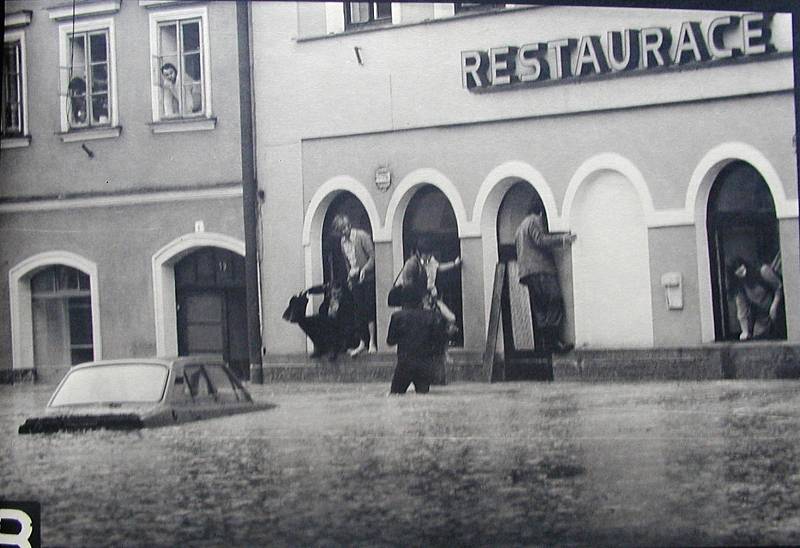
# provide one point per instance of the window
(88, 80)
(12, 89)
(14, 116)
(181, 87)
(62, 316)
(358, 14)
(87, 100)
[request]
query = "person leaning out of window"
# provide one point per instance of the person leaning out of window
(758, 293)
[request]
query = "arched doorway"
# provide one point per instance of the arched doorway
(211, 305)
(333, 262)
(521, 358)
(611, 263)
(430, 215)
(741, 222)
(61, 308)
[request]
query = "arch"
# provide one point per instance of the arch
(21, 304)
(697, 194)
(487, 207)
(608, 311)
(163, 261)
(315, 212)
(609, 161)
(396, 211)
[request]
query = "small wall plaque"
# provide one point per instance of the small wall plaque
(383, 178)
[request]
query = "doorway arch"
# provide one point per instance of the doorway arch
(344, 203)
(740, 221)
(611, 264)
(163, 271)
(20, 300)
(429, 215)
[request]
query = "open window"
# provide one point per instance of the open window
(360, 14)
(180, 71)
(15, 101)
(87, 80)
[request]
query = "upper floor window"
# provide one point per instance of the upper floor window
(357, 14)
(181, 86)
(14, 115)
(88, 90)
(13, 98)
(88, 77)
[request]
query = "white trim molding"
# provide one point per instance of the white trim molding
(19, 286)
(163, 271)
(83, 9)
(123, 200)
(608, 161)
(396, 210)
(703, 178)
(487, 207)
(18, 19)
(325, 194)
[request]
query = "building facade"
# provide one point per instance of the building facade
(121, 195)
(664, 139)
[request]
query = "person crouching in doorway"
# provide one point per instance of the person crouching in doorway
(420, 335)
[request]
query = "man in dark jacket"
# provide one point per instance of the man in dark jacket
(420, 336)
(537, 271)
(332, 329)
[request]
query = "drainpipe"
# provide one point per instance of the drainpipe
(249, 191)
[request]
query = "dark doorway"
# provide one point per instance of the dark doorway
(430, 215)
(741, 222)
(334, 262)
(523, 358)
(212, 311)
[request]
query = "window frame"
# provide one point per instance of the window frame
(199, 121)
(88, 26)
(373, 18)
(22, 138)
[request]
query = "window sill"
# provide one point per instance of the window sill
(180, 126)
(15, 142)
(90, 134)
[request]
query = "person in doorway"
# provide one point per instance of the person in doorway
(432, 268)
(359, 254)
(420, 334)
(537, 271)
(758, 293)
(331, 330)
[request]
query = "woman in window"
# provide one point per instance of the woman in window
(169, 87)
(758, 293)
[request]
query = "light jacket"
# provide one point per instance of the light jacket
(534, 247)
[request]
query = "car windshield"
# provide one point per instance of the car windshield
(130, 383)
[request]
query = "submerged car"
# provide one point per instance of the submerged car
(138, 393)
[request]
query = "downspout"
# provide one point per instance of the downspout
(249, 191)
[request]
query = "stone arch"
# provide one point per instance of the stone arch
(396, 211)
(20, 301)
(697, 194)
(163, 261)
(487, 207)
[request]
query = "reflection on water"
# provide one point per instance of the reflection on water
(512, 463)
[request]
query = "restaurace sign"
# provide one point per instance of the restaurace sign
(624, 50)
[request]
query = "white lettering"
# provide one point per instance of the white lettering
(21, 539)
(753, 34)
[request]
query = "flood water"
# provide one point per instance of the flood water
(712, 463)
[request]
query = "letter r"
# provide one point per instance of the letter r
(22, 538)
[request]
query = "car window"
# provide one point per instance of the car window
(113, 383)
(197, 384)
(222, 383)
